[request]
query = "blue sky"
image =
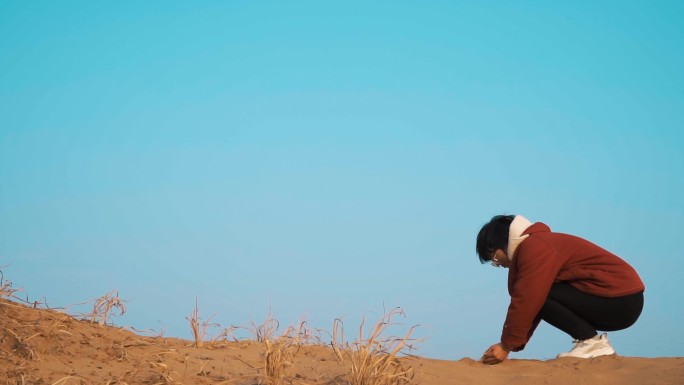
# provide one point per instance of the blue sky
(326, 159)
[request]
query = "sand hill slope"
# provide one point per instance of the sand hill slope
(40, 346)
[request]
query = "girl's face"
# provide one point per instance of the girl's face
(500, 259)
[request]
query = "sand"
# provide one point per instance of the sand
(39, 346)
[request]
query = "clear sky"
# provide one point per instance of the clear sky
(326, 158)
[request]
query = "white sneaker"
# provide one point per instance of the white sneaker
(593, 347)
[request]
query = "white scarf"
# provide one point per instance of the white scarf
(518, 226)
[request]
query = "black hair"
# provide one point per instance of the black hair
(492, 236)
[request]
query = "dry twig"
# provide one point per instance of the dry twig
(199, 329)
(104, 306)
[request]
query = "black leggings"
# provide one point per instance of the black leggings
(580, 314)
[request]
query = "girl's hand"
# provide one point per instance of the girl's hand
(495, 354)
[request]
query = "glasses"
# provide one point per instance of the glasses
(495, 261)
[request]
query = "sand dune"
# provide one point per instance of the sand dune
(39, 346)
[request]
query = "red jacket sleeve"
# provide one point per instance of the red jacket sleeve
(532, 274)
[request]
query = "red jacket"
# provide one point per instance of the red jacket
(545, 258)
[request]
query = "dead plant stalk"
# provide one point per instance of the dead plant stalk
(104, 306)
(374, 359)
(199, 329)
(277, 359)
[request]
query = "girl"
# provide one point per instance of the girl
(567, 281)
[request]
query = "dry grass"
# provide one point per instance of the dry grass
(69, 380)
(266, 330)
(6, 289)
(199, 329)
(338, 343)
(149, 368)
(58, 327)
(104, 306)
(278, 359)
(280, 352)
(374, 358)
(20, 346)
(302, 334)
(227, 334)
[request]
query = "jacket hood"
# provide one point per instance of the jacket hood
(516, 234)
(537, 228)
(520, 229)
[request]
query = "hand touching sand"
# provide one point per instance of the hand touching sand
(495, 354)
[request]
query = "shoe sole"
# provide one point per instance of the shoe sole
(593, 354)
